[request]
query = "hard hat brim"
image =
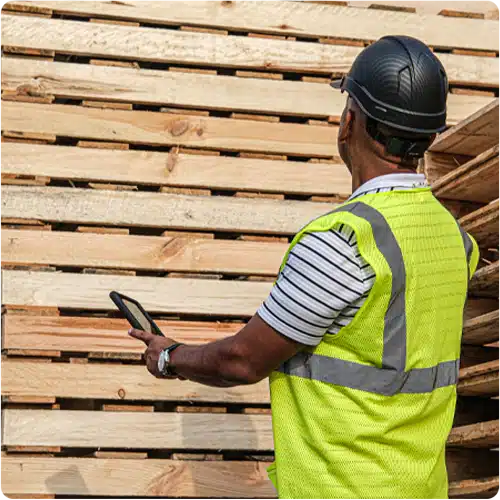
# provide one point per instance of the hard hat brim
(337, 84)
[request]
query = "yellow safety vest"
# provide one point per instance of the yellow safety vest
(366, 413)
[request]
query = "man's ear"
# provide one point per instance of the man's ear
(346, 123)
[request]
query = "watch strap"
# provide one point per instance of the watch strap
(167, 370)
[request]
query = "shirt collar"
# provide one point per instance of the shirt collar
(409, 181)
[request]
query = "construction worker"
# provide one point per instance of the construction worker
(361, 333)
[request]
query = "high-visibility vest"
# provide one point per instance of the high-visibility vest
(367, 412)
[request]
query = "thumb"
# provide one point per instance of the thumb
(146, 337)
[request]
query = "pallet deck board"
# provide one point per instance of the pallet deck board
(482, 224)
(173, 211)
(165, 129)
(167, 295)
(185, 170)
(141, 252)
(484, 283)
(473, 135)
(479, 380)
(479, 435)
(486, 487)
(73, 428)
(476, 180)
(117, 382)
(135, 477)
(100, 335)
(300, 18)
(481, 330)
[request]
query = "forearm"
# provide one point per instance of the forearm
(217, 364)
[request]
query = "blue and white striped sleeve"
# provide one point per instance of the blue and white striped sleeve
(324, 275)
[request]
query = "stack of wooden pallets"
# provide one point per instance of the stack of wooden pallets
(170, 151)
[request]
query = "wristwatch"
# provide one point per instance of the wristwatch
(164, 360)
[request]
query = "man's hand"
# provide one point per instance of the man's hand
(155, 345)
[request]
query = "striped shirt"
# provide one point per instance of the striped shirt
(325, 280)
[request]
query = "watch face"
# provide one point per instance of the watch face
(161, 362)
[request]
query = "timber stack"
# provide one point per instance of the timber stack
(170, 152)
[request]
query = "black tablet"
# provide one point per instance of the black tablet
(135, 313)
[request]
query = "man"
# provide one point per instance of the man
(361, 333)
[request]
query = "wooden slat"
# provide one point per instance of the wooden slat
(141, 252)
(117, 382)
(486, 9)
(165, 129)
(135, 477)
(485, 282)
(478, 380)
(476, 180)
(144, 209)
(474, 488)
(480, 435)
(299, 18)
(211, 91)
(169, 295)
(481, 330)
(99, 335)
(126, 430)
(169, 46)
(472, 136)
(483, 225)
(171, 169)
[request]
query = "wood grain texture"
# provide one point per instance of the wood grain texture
(171, 169)
(473, 135)
(126, 430)
(125, 477)
(166, 129)
(144, 209)
(480, 435)
(301, 19)
(41, 78)
(168, 295)
(117, 382)
(484, 283)
(141, 252)
(474, 488)
(479, 380)
(476, 180)
(481, 329)
(482, 224)
(99, 335)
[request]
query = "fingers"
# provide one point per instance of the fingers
(146, 337)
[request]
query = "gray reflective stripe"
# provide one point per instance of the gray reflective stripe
(468, 247)
(370, 378)
(394, 354)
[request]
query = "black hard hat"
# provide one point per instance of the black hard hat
(399, 81)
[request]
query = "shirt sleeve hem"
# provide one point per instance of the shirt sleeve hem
(286, 332)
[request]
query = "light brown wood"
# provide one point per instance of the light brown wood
(471, 136)
(105, 335)
(298, 18)
(484, 283)
(146, 127)
(144, 209)
(141, 252)
(479, 380)
(483, 225)
(116, 382)
(186, 170)
(480, 435)
(139, 477)
(481, 330)
(168, 295)
(125, 430)
(178, 89)
(474, 488)
(476, 180)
